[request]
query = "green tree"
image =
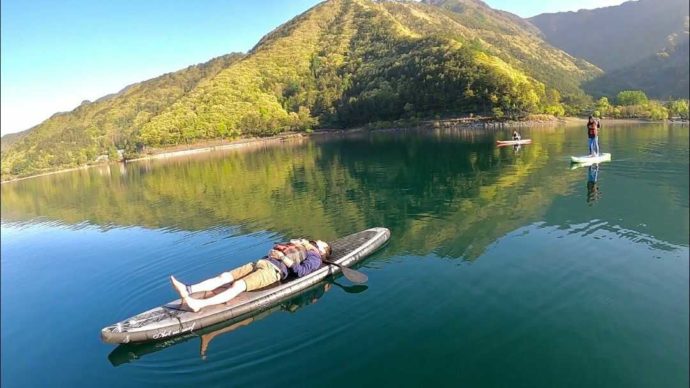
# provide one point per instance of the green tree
(306, 121)
(603, 106)
(556, 110)
(576, 104)
(678, 108)
(632, 97)
(657, 111)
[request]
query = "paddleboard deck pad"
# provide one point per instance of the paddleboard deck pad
(174, 319)
(606, 157)
(513, 142)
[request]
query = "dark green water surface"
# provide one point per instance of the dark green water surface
(506, 268)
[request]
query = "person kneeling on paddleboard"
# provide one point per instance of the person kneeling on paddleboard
(516, 136)
(593, 135)
(300, 257)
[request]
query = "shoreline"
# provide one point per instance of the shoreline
(202, 147)
(178, 151)
(221, 145)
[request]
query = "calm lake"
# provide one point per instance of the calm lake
(505, 267)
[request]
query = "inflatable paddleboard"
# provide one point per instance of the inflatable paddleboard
(605, 157)
(173, 319)
(513, 142)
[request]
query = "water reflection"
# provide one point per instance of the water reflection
(593, 193)
(330, 187)
(443, 190)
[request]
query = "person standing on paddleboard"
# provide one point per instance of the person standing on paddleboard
(299, 257)
(593, 135)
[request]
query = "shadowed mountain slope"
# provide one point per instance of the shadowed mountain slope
(618, 36)
(640, 44)
(663, 75)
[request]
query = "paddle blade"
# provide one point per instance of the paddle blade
(354, 276)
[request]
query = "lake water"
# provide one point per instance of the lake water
(505, 267)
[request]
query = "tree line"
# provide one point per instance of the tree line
(635, 104)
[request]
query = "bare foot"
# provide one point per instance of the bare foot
(193, 304)
(180, 287)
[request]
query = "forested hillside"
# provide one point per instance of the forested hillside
(340, 64)
(12, 138)
(113, 122)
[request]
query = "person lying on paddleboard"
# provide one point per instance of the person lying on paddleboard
(516, 136)
(300, 257)
(593, 135)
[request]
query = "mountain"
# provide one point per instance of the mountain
(515, 41)
(340, 64)
(639, 44)
(663, 75)
(11, 138)
(618, 36)
(68, 139)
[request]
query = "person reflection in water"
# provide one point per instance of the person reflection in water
(305, 299)
(593, 193)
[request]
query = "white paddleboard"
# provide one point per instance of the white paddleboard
(513, 142)
(605, 157)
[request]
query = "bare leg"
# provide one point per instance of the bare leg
(207, 285)
(213, 283)
(236, 288)
(206, 338)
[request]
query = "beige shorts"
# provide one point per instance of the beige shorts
(257, 275)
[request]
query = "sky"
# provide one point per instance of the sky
(56, 54)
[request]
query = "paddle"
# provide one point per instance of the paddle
(349, 273)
